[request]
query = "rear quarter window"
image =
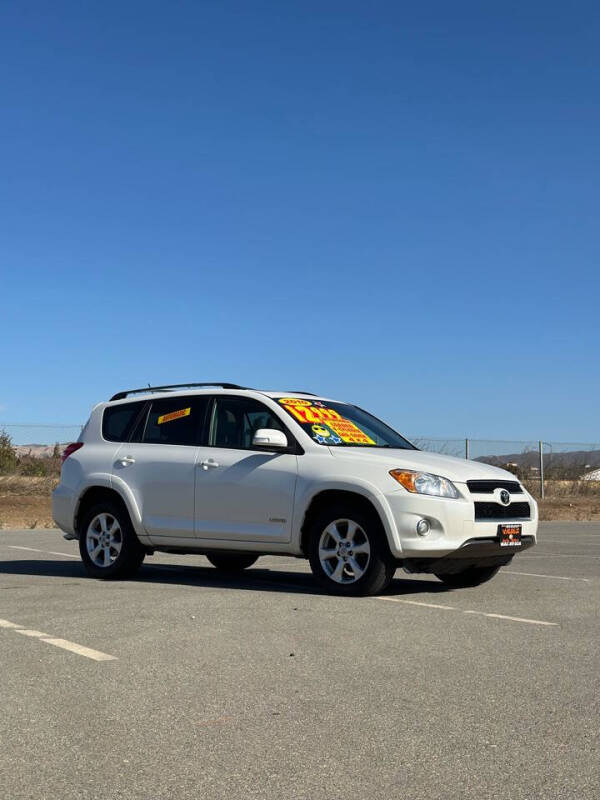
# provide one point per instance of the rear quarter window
(117, 421)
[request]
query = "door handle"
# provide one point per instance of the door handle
(209, 463)
(126, 460)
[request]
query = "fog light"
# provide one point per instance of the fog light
(423, 527)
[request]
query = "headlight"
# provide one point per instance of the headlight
(425, 483)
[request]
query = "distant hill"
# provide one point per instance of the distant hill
(37, 450)
(574, 459)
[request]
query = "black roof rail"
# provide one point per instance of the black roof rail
(144, 389)
(299, 391)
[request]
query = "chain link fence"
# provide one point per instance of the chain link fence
(544, 467)
(555, 467)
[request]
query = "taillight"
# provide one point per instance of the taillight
(70, 449)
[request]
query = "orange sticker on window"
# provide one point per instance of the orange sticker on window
(184, 412)
(349, 432)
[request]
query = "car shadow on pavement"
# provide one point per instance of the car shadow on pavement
(256, 578)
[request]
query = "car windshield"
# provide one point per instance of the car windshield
(341, 425)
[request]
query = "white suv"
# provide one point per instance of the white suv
(236, 473)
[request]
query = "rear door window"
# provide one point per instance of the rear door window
(118, 421)
(177, 420)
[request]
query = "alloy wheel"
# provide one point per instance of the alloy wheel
(104, 540)
(344, 551)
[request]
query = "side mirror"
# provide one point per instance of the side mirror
(270, 439)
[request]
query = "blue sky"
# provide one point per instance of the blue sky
(395, 204)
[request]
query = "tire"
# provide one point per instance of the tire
(473, 576)
(232, 562)
(108, 544)
(363, 567)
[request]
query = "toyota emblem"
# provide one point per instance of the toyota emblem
(504, 497)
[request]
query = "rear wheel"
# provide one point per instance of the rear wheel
(232, 562)
(348, 554)
(473, 576)
(107, 542)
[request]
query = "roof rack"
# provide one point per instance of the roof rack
(299, 391)
(144, 389)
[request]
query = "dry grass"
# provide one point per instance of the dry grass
(565, 488)
(25, 501)
(570, 507)
(568, 500)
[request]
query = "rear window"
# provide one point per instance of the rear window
(118, 421)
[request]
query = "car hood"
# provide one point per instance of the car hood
(456, 469)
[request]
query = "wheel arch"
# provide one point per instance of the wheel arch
(327, 497)
(98, 492)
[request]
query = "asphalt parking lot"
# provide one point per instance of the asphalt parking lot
(185, 684)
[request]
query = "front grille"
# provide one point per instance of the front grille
(487, 487)
(496, 511)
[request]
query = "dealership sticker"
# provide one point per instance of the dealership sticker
(293, 401)
(349, 432)
(321, 430)
(325, 435)
(308, 415)
(184, 412)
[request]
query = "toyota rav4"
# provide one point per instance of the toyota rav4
(235, 473)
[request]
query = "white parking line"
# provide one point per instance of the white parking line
(68, 555)
(416, 603)
(538, 575)
(36, 550)
(512, 619)
(87, 652)
(481, 613)
(502, 572)
(96, 655)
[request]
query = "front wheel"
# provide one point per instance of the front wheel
(348, 553)
(108, 544)
(232, 562)
(473, 576)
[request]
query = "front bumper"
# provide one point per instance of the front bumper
(477, 552)
(452, 522)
